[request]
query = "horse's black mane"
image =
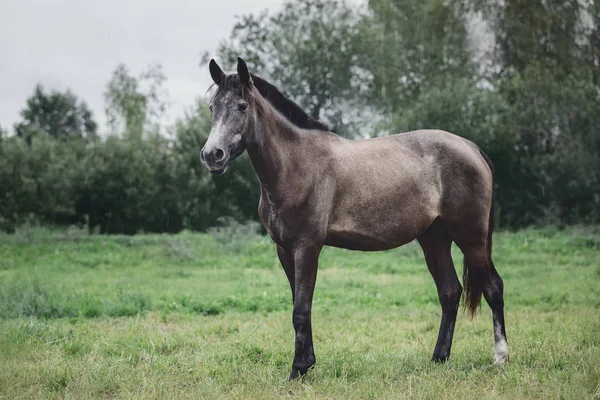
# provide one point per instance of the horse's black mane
(278, 100)
(286, 106)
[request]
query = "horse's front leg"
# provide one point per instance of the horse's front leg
(306, 257)
(287, 262)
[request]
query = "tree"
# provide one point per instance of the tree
(308, 49)
(547, 79)
(134, 104)
(591, 46)
(60, 115)
(543, 31)
(411, 47)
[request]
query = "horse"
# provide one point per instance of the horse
(319, 189)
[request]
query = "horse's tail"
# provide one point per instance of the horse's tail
(492, 207)
(476, 277)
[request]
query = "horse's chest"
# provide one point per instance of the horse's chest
(272, 220)
(283, 223)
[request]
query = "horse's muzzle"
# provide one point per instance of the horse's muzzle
(216, 160)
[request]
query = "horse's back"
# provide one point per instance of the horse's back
(429, 156)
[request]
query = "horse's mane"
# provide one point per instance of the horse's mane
(286, 106)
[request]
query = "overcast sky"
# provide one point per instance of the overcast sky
(76, 44)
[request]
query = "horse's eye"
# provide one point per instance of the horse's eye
(210, 108)
(242, 106)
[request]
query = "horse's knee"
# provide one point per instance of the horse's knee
(301, 318)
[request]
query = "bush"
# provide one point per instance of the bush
(40, 181)
(122, 184)
(129, 186)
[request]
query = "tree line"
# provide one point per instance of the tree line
(521, 78)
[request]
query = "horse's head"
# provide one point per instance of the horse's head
(233, 117)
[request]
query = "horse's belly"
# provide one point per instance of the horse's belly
(359, 241)
(373, 235)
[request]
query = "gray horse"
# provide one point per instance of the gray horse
(319, 189)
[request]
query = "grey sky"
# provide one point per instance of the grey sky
(76, 44)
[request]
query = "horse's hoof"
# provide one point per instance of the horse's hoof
(298, 373)
(439, 359)
(294, 375)
(501, 359)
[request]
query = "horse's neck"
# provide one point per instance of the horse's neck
(272, 151)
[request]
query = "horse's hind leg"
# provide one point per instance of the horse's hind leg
(494, 295)
(436, 244)
(482, 273)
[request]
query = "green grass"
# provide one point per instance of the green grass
(187, 316)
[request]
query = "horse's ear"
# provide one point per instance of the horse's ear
(242, 70)
(215, 71)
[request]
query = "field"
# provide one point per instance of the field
(209, 316)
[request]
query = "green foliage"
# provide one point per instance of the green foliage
(40, 180)
(309, 49)
(128, 186)
(537, 31)
(234, 236)
(556, 146)
(59, 115)
(536, 119)
(411, 47)
(135, 104)
(123, 184)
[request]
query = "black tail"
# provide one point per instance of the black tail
(477, 276)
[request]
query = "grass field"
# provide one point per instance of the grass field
(209, 316)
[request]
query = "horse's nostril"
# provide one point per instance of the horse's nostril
(219, 154)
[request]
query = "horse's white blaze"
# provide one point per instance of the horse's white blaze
(215, 138)
(500, 347)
